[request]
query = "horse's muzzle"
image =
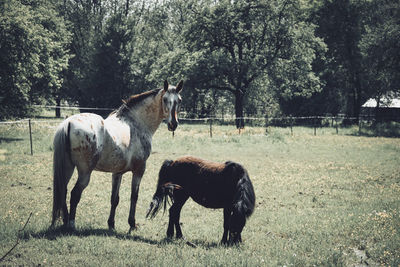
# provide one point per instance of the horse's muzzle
(172, 126)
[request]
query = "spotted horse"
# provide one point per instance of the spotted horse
(118, 144)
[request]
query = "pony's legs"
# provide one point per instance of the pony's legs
(175, 213)
(227, 218)
(116, 182)
(138, 171)
(81, 184)
(237, 224)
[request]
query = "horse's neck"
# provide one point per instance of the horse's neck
(149, 113)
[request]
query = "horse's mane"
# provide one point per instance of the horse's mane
(133, 100)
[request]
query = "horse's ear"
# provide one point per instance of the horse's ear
(166, 86)
(179, 86)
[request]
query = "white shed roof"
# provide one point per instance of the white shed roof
(384, 102)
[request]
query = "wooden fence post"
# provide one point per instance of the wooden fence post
(291, 125)
(210, 127)
(336, 125)
(315, 126)
(30, 135)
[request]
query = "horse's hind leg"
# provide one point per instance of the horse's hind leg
(227, 218)
(236, 226)
(116, 182)
(175, 213)
(81, 184)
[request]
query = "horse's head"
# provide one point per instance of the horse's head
(171, 103)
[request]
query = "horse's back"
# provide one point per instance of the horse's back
(206, 182)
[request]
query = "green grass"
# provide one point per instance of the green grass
(319, 199)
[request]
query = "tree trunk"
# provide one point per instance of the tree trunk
(239, 109)
(58, 110)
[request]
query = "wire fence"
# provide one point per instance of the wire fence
(313, 123)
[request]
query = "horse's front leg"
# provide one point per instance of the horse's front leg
(116, 182)
(138, 171)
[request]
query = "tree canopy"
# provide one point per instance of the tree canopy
(33, 54)
(252, 57)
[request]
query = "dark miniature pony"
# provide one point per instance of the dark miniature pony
(212, 185)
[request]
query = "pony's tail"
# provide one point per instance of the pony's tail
(244, 199)
(61, 161)
(164, 190)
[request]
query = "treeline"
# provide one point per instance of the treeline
(278, 57)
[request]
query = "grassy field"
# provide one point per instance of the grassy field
(321, 200)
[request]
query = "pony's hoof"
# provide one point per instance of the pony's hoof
(70, 225)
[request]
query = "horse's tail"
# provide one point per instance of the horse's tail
(61, 162)
(164, 190)
(244, 198)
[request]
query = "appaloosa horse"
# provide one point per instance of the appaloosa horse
(118, 144)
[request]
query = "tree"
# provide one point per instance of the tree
(242, 41)
(33, 54)
(380, 48)
(340, 25)
(110, 73)
(85, 22)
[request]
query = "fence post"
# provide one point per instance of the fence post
(315, 126)
(210, 127)
(336, 125)
(30, 136)
(291, 125)
(266, 124)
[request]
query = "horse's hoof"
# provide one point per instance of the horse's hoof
(136, 227)
(111, 225)
(70, 225)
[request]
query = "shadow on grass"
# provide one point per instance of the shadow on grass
(390, 130)
(9, 140)
(191, 243)
(53, 234)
